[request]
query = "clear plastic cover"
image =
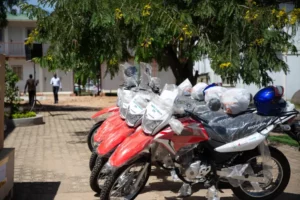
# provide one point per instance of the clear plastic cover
(146, 73)
(214, 92)
(137, 107)
(126, 97)
(212, 193)
(160, 109)
(130, 75)
(185, 87)
(197, 91)
(119, 95)
(266, 160)
(231, 128)
(176, 126)
(183, 103)
(185, 190)
(155, 84)
(235, 101)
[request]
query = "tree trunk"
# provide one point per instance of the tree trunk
(181, 71)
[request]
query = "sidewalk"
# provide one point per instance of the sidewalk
(52, 163)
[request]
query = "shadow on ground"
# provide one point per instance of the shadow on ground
(57, 107)
(35, 190)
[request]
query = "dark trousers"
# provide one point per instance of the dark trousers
(31, 97)
(55, 93)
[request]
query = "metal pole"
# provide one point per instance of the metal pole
(2, 89)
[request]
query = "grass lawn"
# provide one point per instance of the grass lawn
(283, 139)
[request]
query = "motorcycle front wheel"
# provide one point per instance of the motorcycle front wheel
(90, 137)
(278, 173)
(122, 184)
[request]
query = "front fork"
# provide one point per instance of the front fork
(153, 149)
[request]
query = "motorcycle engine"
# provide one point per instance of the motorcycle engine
(197, 171)
(192, 165)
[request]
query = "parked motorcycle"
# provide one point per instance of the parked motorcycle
(207, 150)
(115, 123)
(130, 83)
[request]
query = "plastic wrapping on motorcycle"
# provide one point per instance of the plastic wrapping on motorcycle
(185, 190)
(183, 103)
(176, 126)
(137, 107)
(105, 111)
(230, 128)
(197, 91)
(235, 100)
(214, 92)
(212, 193)
(146, 73)
(130, 75)
(266, 160)
(185, 88)
(238, 171)
(113, 139)
(125, 152)
(108, 125)
(127, 96)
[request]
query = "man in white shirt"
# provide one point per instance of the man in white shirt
(55, 82)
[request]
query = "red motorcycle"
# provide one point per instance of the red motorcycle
(210, 148)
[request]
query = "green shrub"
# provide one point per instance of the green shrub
(23, 115)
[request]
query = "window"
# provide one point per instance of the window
(18, 69)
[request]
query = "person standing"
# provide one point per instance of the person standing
(55, 82)
(30, 83)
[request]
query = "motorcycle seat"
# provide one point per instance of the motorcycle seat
(228, 129)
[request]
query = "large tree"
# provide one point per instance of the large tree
(242, 38)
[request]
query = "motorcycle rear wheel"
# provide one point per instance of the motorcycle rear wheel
(284, 167)
(112, 181)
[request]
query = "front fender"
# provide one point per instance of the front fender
(131, 148)
(110, 124)
(104, 111)
(112, 140)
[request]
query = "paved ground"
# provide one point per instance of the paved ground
(52, 163)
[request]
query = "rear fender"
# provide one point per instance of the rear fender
(131, 149)
(111, 141)
(112, 126)
(105, 111)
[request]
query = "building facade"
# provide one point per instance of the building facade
(12, 40)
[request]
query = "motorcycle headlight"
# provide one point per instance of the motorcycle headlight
(132, 119)
(149, 125)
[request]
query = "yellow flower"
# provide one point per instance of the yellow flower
(118, 13)
(273, 11)
(224, 65)
(113, 61)
(151, 39)
(280, 13)
(142, 44)
(259, 42)
(293, 19)
(181, 38)
(255, 16)
(254, 3)
(146, 10)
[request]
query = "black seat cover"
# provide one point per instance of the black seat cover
(228, 129)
